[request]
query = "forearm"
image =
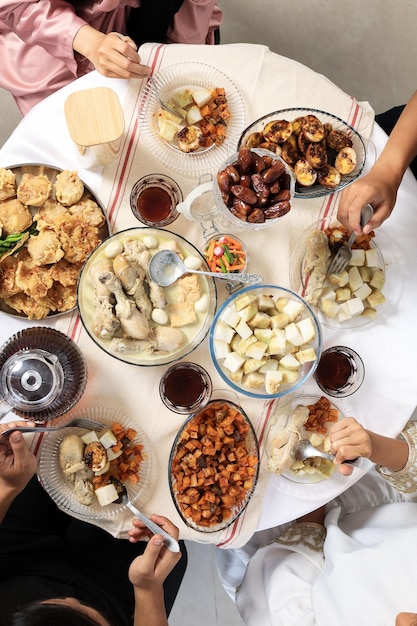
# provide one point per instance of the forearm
(401, 147)
(6, 498)
(87, 40)
(150, 607)
(390, 453)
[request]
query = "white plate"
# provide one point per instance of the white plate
(337, 123)
(53, 481)
(195, 332)
(191, 74)
(390, 258)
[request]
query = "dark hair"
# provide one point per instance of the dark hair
(37, 614)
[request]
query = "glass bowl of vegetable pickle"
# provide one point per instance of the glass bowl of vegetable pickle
(225, 253)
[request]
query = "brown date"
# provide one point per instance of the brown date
(259, 185)
(233, 174)
(277, 210)
(243, 208)
(223, 181)
(273, 173)
(244, 193)
(283, 196)
(258, 163)
(244, 159)
(245, 180)
(257, 216)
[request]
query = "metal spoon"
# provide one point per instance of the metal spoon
(165, 267)
(304, 449)
(169, 541)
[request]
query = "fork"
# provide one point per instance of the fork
(162, 102)
(81, 422)
(344, 254)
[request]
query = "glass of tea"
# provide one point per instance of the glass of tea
(154, 199)
(340, 371)
(185, 387)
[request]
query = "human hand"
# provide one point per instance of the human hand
(17, 463)
(150, 569)
(349, 440)
(376, 189)
(406, 619)
(113, 55)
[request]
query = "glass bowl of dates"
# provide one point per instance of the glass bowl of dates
(253, 189)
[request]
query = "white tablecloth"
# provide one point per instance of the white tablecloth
(267, 82)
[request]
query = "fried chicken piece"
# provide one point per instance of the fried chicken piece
(14, 217)
(77, 238)
(61, 298)
(28, 306)
(90, 211)
(34, 190)
(45, 248)
(32, 279)
(105, 324)
(66, 273)
(8, 285)
(51, 215)
(69, 188)
(7, 184)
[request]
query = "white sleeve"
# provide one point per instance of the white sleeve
(276, 589)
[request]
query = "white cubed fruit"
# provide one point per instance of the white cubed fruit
(168, 130)
(236, 377)
(252, 365)
(355, 306)
(113, 455)
(293, 309)
(108, 439)
(256, 350)
(358, 258)
(263, 334)
(363, 292)
(329, 308)
(280, 320)
(376, 298)
(378, 279)
(243, 329)
(343, 313)
(183, 98)
(343, 294)
(249, 311)
(233, 361)
(316, 439)
(366, 273)
(106, 494)
(293, 335)
(254, 380)
(340, 280)
(307, 329)
(265, 303)
(280, 303)
(355, 280)
(273, 381)
(201, 96)
(269, 365)
(243, 301)
(369, 312)
(230, 316)
(328, 293)
(245, 343)
(260, 320)
(89, 437)
(288, 376)
(194, 115)
(224, 332)
(289, 362)
(371, 257)
(221, 348)
(278, 342)
(306, 356)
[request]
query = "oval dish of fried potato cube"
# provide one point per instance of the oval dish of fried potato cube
(265, 341)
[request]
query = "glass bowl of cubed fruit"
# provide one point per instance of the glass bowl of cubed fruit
(356, 296)
(265, 341)
(205, 120)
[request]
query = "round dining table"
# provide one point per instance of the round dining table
(266, 82)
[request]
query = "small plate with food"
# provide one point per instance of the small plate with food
(80, 469)
(359, 295)
(50, 222)
(299, 418)
(132, 318)
(213, 467)
(325, 153)
(209, 116)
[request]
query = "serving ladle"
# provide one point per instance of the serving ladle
(165, 267)
(169, 541)
(304, 450)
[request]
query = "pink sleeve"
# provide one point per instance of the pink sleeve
(195, 22)
(51, 24)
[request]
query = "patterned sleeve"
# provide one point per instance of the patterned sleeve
(405, 480)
